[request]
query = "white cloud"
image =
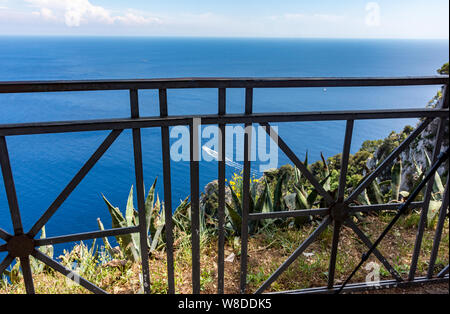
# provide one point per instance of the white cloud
(308, 17)
(74, 13)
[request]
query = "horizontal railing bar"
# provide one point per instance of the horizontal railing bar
(442, 273)
(290, 213)
(147, 122)
(86, 236)
(325, 211)
(173, 83)
(363, 286)
(380, 207)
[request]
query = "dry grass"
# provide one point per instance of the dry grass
(266, 252)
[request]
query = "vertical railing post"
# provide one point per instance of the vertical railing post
(195, 203)
(139, 173)
(165, 141)
(246, 189)
(337, 223)
(438, 233)
(429, 187)
(11, 195)
(221, 205)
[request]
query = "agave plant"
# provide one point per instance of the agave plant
(373, 194)
(129, 245)
(437, 193)
(304, 199)
(261, 203)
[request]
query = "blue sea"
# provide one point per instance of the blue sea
(43, 164)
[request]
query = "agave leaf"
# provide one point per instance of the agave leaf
(363, 198)
(46, 249)
(374, 193)
(160, 225)
(418, 168)
(327, 183)
(268, 205)
(438, 187)
(311, 199)
(301, 199)
(126, 242)
(236, 201)
(396, 174)
(108, 246)
(118, 221)
(259, 206)
(129, 212)
(149, 205)
(297, 176)
(278, 193)
(433, 211)
(235, 218)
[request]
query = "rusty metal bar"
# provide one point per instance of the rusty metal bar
(334, 250)
(341, 189)
(221, 205)
(148, 122)
(246, 189)
(344, 159)
(165, 142)
(4, 235)
(195, 203)
(172, 83)
(139, 173)
(290, 213)
(381, 207)
(438, 233)
(5, 263)
(27, 275)
(10, 187)
(443, 272)
(86, 236)
(362, 286)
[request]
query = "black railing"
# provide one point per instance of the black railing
(22, 244)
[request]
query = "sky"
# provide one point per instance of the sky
(421, 19)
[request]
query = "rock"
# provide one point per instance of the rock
(115, 263)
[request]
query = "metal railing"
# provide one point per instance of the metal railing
(23, 244)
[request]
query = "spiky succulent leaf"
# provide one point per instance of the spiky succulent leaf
(396, 174)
